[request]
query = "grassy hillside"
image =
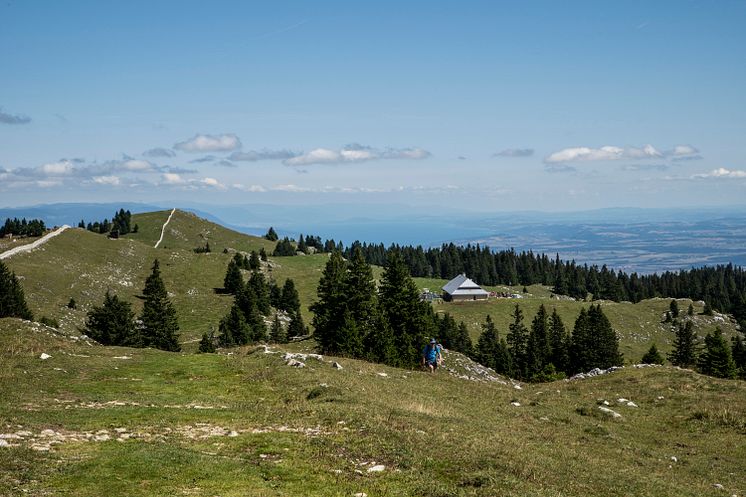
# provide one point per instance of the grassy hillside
(93, 421)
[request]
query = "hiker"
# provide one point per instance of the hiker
(431, 356)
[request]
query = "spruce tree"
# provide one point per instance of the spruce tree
(652, 356)
(271, 235)
(410, 319)
(113, 323)
(605, 341)
(233, 328)
(487, 346)
(160, 328)
(581, 344)
(206, 344)
(297, 328)
(71, 304)
(289, 298)
(517, 341)
(538, 349)
(254, 262)
(462, 340)
(690, 310)
(233, 281)
(716, 359)
(684, 351)
(360, 288)
(263, 254)
(560, 343)
(378, 344)
(261, 289)
(674, 308)
(12, 299)
(330, 307)
(707, 311)
(277, 333)
(738, 350)
(247, 302)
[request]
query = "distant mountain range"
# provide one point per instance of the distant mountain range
(634, 239)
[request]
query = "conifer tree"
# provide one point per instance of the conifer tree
(560, 343)
(233, 281)
(254, 262)
(652, 356)
(275, 295)
(738, 349)
(206, 344)
(302, 246)
(674, 308)
(517, 341)
(331, 305)
(277, 333)
(707, 311)
(684, 351)
(461, 341)
(296, 328)
(605, 341)
(160, 328)
(378, 344)
(233, 328)
(581, 344)
(503, 360)
(289, 298)
(113, 323)
(360, 288)
(12, 299)
(690, 310)
(410, 319)
(487, 346)
(247, 302)
(716, 359)
(259, 285)
(271, 235)
(71, 304)
(538, 349)
(263, 254)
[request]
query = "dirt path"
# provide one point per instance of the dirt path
(31, 246)
(163, 230)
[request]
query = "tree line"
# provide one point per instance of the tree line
(22, 227)
(121, 223)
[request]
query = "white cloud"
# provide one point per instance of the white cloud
(684, 152)
(107, 180)
(355, 153)
(606, 153)
(264, 154)
(212, 182)
(62, 168)
(723, 173)
(249, 188)
(515, 152)
(172, 179)
(135, 165)
(210, 143)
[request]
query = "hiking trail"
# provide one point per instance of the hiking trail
(31, 246)
(163, 230)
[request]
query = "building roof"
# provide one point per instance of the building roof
(461, 285)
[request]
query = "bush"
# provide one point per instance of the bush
(52, 323)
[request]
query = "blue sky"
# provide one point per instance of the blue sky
(488, 105)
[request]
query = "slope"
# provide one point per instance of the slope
(95, 421)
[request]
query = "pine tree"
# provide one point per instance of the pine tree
(674, 308)
(410, 319)
(331, 305)
(271, 235)
(113, 323)
(738, 350)
(716, 359)
(160, 328)
(302, 246)
(517, 343)
(277, 333)
(71, 304)
(560, 343)
(581, 344)
(261, 289)
(207, 344)
(690, 310)
(652, 356)
(263, 254)
(289, 298)
(708, 309)
(254, 262)
(488, 344)
(378, 344)
(297, 328)
(684, 351)
(233, 328)
(462, 341)
(247, 302)
(538, 349)
(233, 281)
(12, 299)
(360, 288)
(605, 341)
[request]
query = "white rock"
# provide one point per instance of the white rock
(674, 459)
(44, 356)
(605, 402)
(123, 357)
(361, 494)
(336, 365)
(622, 400)
(295, 363)
(384, 375)
(516, 404)
(631, 404)
(377, 468)
(517, 387)
(660, 397)
(3, 443)
(612, 413)
(718, 486)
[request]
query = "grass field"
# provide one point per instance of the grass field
(92, 421)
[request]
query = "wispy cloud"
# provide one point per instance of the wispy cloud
(515, 152)
(206, 158)
(159, 152)
(645, 167)
(7, 118)
(606, 153)
(722, 173)
(559, 168)
(264, 154)
(209, 143)
(684, 153)
(356, 153)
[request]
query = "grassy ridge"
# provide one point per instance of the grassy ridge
(247, 424)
